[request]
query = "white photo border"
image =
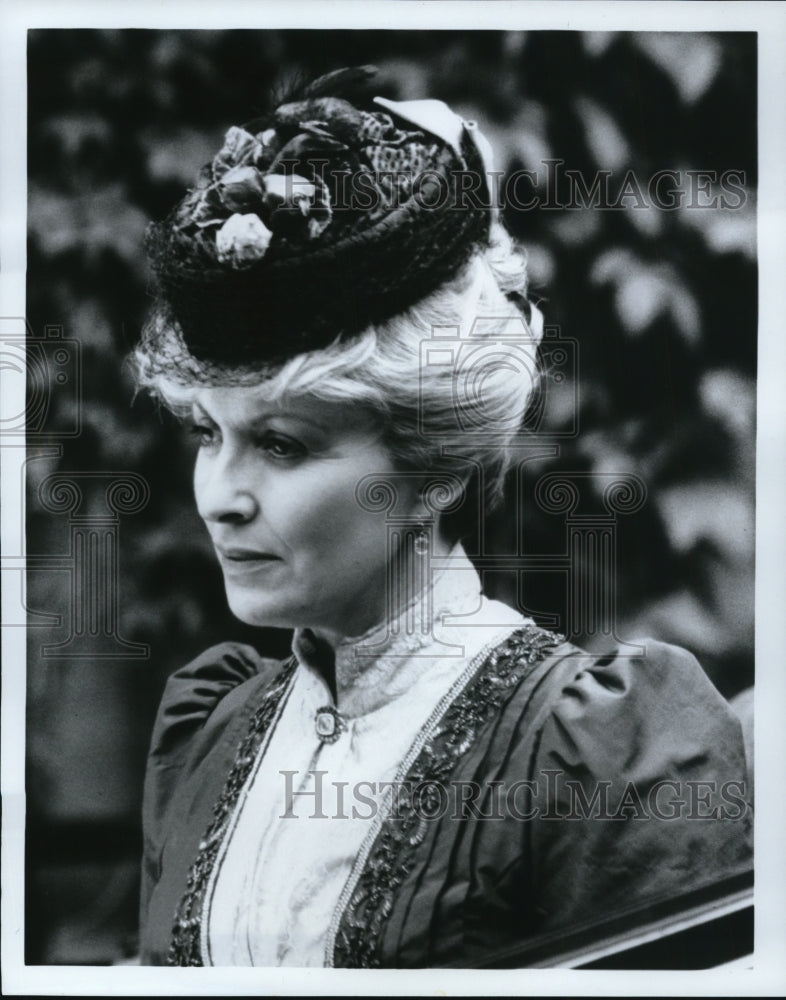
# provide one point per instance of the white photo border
(768, 973)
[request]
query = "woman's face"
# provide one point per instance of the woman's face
(275, 485)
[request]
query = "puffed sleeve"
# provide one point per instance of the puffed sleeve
(641, 772)
(201, 703)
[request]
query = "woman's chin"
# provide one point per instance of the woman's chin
(263, 614)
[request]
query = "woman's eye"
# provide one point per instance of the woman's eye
(204, 435)
(281, 447)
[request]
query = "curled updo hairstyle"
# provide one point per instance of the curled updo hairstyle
(448, 379)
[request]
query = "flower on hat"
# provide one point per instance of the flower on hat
(295, 205)
(240, 148)
(242, 239)
(241, 188)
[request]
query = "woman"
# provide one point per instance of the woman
(430, 779)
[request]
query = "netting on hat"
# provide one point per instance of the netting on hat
(162, 353)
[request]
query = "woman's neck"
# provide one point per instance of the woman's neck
(408, 574)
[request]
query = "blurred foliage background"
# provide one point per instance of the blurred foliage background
(662, 304)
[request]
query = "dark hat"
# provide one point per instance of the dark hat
(316, 221)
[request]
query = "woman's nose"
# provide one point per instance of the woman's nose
(224, 490)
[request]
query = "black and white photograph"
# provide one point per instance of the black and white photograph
(391, 454)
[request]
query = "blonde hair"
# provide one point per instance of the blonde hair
(449, 379)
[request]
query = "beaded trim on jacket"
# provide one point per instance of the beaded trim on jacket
(185, 947)
(357, 941)
(392, 854)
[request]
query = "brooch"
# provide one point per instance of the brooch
(329, 724)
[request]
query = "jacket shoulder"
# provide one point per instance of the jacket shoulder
(640, 767)
(622, 705)
(212, 683)
(202, 705)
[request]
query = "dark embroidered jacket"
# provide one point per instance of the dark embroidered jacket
(538, 731)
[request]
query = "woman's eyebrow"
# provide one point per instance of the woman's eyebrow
(263, 418)
(256, 420)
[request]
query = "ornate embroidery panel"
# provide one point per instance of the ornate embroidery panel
(392, 856)
(185, 947)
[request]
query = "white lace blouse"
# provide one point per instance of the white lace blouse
(309, 804)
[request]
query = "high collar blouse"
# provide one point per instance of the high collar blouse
(308, 804)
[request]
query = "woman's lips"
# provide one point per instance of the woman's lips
(238, 560)
(242, 555)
